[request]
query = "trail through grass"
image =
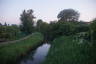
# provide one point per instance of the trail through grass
(10, 53)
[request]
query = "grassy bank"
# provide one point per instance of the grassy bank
(66, 50)
(9, 53)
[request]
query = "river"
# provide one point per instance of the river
(37, 56)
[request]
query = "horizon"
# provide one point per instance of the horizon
(48, 10)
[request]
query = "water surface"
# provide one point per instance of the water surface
(37, 56)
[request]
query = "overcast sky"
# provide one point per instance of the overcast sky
(47, 10)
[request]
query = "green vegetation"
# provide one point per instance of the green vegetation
(11, 52)
(93, 30)
(10, 32)
(93, 40)
(67, 24)
(76, 46)
(14, 32)
(67, 50)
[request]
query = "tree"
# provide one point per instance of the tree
(38, 25)
(5, 24)
(0, 24)
(68, 15)
(44, 27)
(27, 21)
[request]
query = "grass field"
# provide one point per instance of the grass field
(66, 50)
(9, 53)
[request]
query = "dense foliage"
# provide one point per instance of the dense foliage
(55, 29)
(9, 32)
(93, 30)
(67, 50)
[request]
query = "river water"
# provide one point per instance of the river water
(37, 56)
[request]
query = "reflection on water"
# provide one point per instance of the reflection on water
(38, 56)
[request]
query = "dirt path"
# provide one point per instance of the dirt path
(3, 43)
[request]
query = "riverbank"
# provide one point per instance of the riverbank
(10, 53)
(66, 50)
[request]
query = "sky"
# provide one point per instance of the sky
(47, 10)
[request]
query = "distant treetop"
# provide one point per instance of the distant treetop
(68, 15)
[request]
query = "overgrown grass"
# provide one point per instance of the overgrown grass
(66, 50)
(11, 52)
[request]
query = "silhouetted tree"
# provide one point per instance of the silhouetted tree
(0, 24)
(68, 15)
(27, 21)
(5, 24)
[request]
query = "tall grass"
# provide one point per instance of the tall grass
(10, 53)
(65, 50)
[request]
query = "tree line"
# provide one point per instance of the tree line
(67, 24)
